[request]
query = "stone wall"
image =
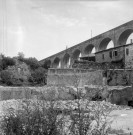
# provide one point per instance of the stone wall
(47, 92)
(81, 77)
(129, 56)
(97, 66)
(74, 77)
(122, 77)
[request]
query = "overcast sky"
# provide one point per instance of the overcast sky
(40, 28)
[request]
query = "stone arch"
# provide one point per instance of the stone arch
(89, 49)
(47, 64)
(124, 36)
(106, 43)
(76, 54)
(66, 61)
(130, 39)
(56, 63)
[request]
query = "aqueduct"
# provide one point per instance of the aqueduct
(112, 38)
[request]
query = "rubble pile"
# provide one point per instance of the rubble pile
(85, 104)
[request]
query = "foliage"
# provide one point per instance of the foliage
(41, 117)
(32, 62)
(48, 117)
(7, 61)
(6, 77)
(32, 119)
(38, 76)
(87, 118)
(20, 54)
(46, 66)
(15, 75)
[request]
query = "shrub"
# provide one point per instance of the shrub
(38, 76)
(32, 119)
(9, 78)
(6, 77)
(32, 62)
(7, 61)
(89, 117)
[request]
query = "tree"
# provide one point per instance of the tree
(6, 77)
(39, 76)
(20, 56)
(7, 61)
(32, 62)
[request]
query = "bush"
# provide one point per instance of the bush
(32, 62)
(38, 76)
(7, 61)
(6, 77)
(32, 119)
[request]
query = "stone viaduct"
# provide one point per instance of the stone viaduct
(64, 59)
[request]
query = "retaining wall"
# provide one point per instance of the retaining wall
(47, 92)
(74, 77)
(81, 77)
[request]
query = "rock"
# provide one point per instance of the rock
(119, 95)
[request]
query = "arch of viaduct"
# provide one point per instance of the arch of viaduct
(64, 59)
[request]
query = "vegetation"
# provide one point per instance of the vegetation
(15, 72)
(6, 61)
(31, 119)
(41, 117)
(6, 77)
(38, 76)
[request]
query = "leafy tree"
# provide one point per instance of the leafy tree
(39, 76)
(6, 77)
(32, 62)
(20, 56)
(7, 61)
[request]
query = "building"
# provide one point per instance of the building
(122, 54)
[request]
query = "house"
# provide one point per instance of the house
(122, 54)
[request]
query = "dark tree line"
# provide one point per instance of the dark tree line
(37, 72)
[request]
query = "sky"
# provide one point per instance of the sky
(40, 28)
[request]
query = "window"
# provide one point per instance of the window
(110, 54)
(127, 51)
(115, 53)
(103, 56)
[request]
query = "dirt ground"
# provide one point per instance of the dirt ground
(123, 119)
